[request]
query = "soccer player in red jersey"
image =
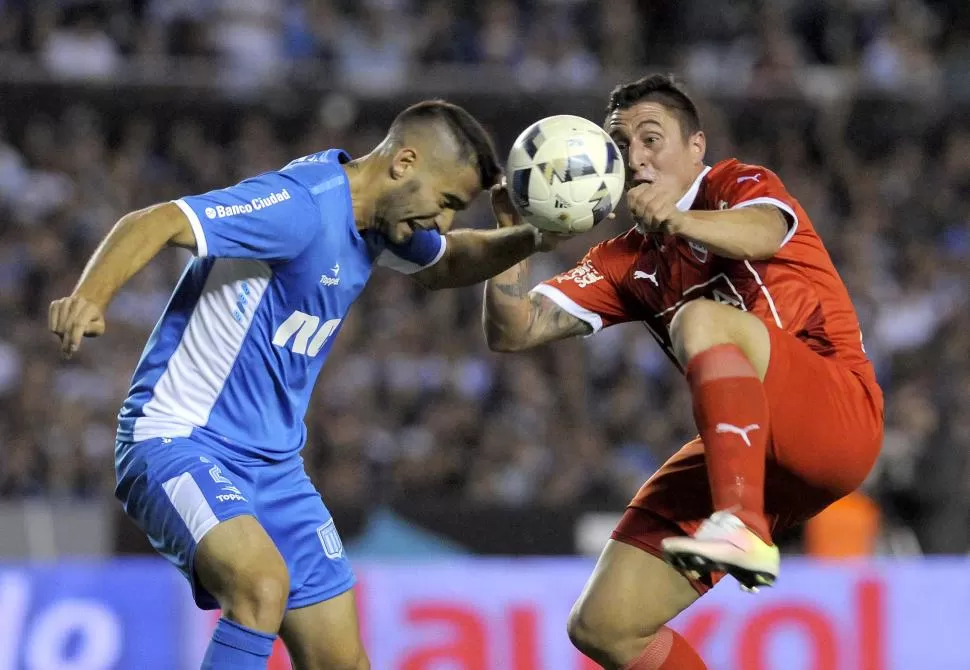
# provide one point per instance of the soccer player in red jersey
(726, 271)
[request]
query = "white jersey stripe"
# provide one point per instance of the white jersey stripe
(764, 289)
(191, 505)
(197, 371)
(202, 248)
(570, 306)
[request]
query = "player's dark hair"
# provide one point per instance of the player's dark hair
(475, 145)
(664, 89)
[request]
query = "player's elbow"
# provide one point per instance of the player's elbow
(761, 250)
(504, 346)
(760, 245)
(498, 344)
(501, 342)
(771, 233)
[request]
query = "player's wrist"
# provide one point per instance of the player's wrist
(676, 224)
(96, 296)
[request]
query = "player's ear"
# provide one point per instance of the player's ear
(698, 146)
(403, 163)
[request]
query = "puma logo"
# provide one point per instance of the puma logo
(640, 274)
(740, 432)
(751, 177)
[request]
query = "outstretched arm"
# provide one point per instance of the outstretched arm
(128, 247)
(472, 256)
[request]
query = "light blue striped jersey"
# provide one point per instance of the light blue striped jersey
(244, 336)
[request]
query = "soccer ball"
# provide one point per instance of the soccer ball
(565, 174)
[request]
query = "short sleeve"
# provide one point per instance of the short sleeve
(270, 217)
(749, 185)
(424, 249)
(589, 291)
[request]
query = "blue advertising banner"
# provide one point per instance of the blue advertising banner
(464, 613)
(91, 616)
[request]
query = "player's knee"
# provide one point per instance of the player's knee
(700, 325)
(352, 659)
(603, 636)
(259, 595)
(582, 631)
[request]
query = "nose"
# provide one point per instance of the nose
(638, 164)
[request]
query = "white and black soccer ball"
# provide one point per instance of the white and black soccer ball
(565, 174)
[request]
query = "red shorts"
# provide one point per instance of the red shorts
(826, 431)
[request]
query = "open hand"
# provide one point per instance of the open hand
(72, 318)
(505, 213)
(506, 216)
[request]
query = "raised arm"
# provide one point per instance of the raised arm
(133, 241)
(757, 216)
(750, 234)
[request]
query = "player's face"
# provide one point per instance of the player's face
(654, 146)
(426, 198)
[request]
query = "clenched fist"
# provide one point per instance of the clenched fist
(654, 207)
(72, 318)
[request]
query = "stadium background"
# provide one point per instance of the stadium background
(472, 488)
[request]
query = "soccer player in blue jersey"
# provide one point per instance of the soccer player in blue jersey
(209, 439)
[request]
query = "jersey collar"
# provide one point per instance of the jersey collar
(687, 201)
(338, 155)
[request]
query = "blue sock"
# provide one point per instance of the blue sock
(235, 647)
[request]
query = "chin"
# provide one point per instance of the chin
(400, 233)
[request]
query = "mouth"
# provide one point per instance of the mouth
(421, 224)
(642, 176)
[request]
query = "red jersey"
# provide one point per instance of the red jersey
(634, 277)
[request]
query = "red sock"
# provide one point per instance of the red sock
(667, 651)
(731, 412)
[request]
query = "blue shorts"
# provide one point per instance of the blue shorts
(177, 489)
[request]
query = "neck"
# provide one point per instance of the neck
(698, 168)
(693, 177)
(361, 174)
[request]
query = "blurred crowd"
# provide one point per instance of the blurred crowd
(411, 402)
(376, 45)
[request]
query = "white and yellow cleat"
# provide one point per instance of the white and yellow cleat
(724, 544)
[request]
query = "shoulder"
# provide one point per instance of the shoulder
(618, 251)
(321, 173)
(733, 171)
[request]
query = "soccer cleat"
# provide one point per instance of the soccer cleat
(724, 544)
